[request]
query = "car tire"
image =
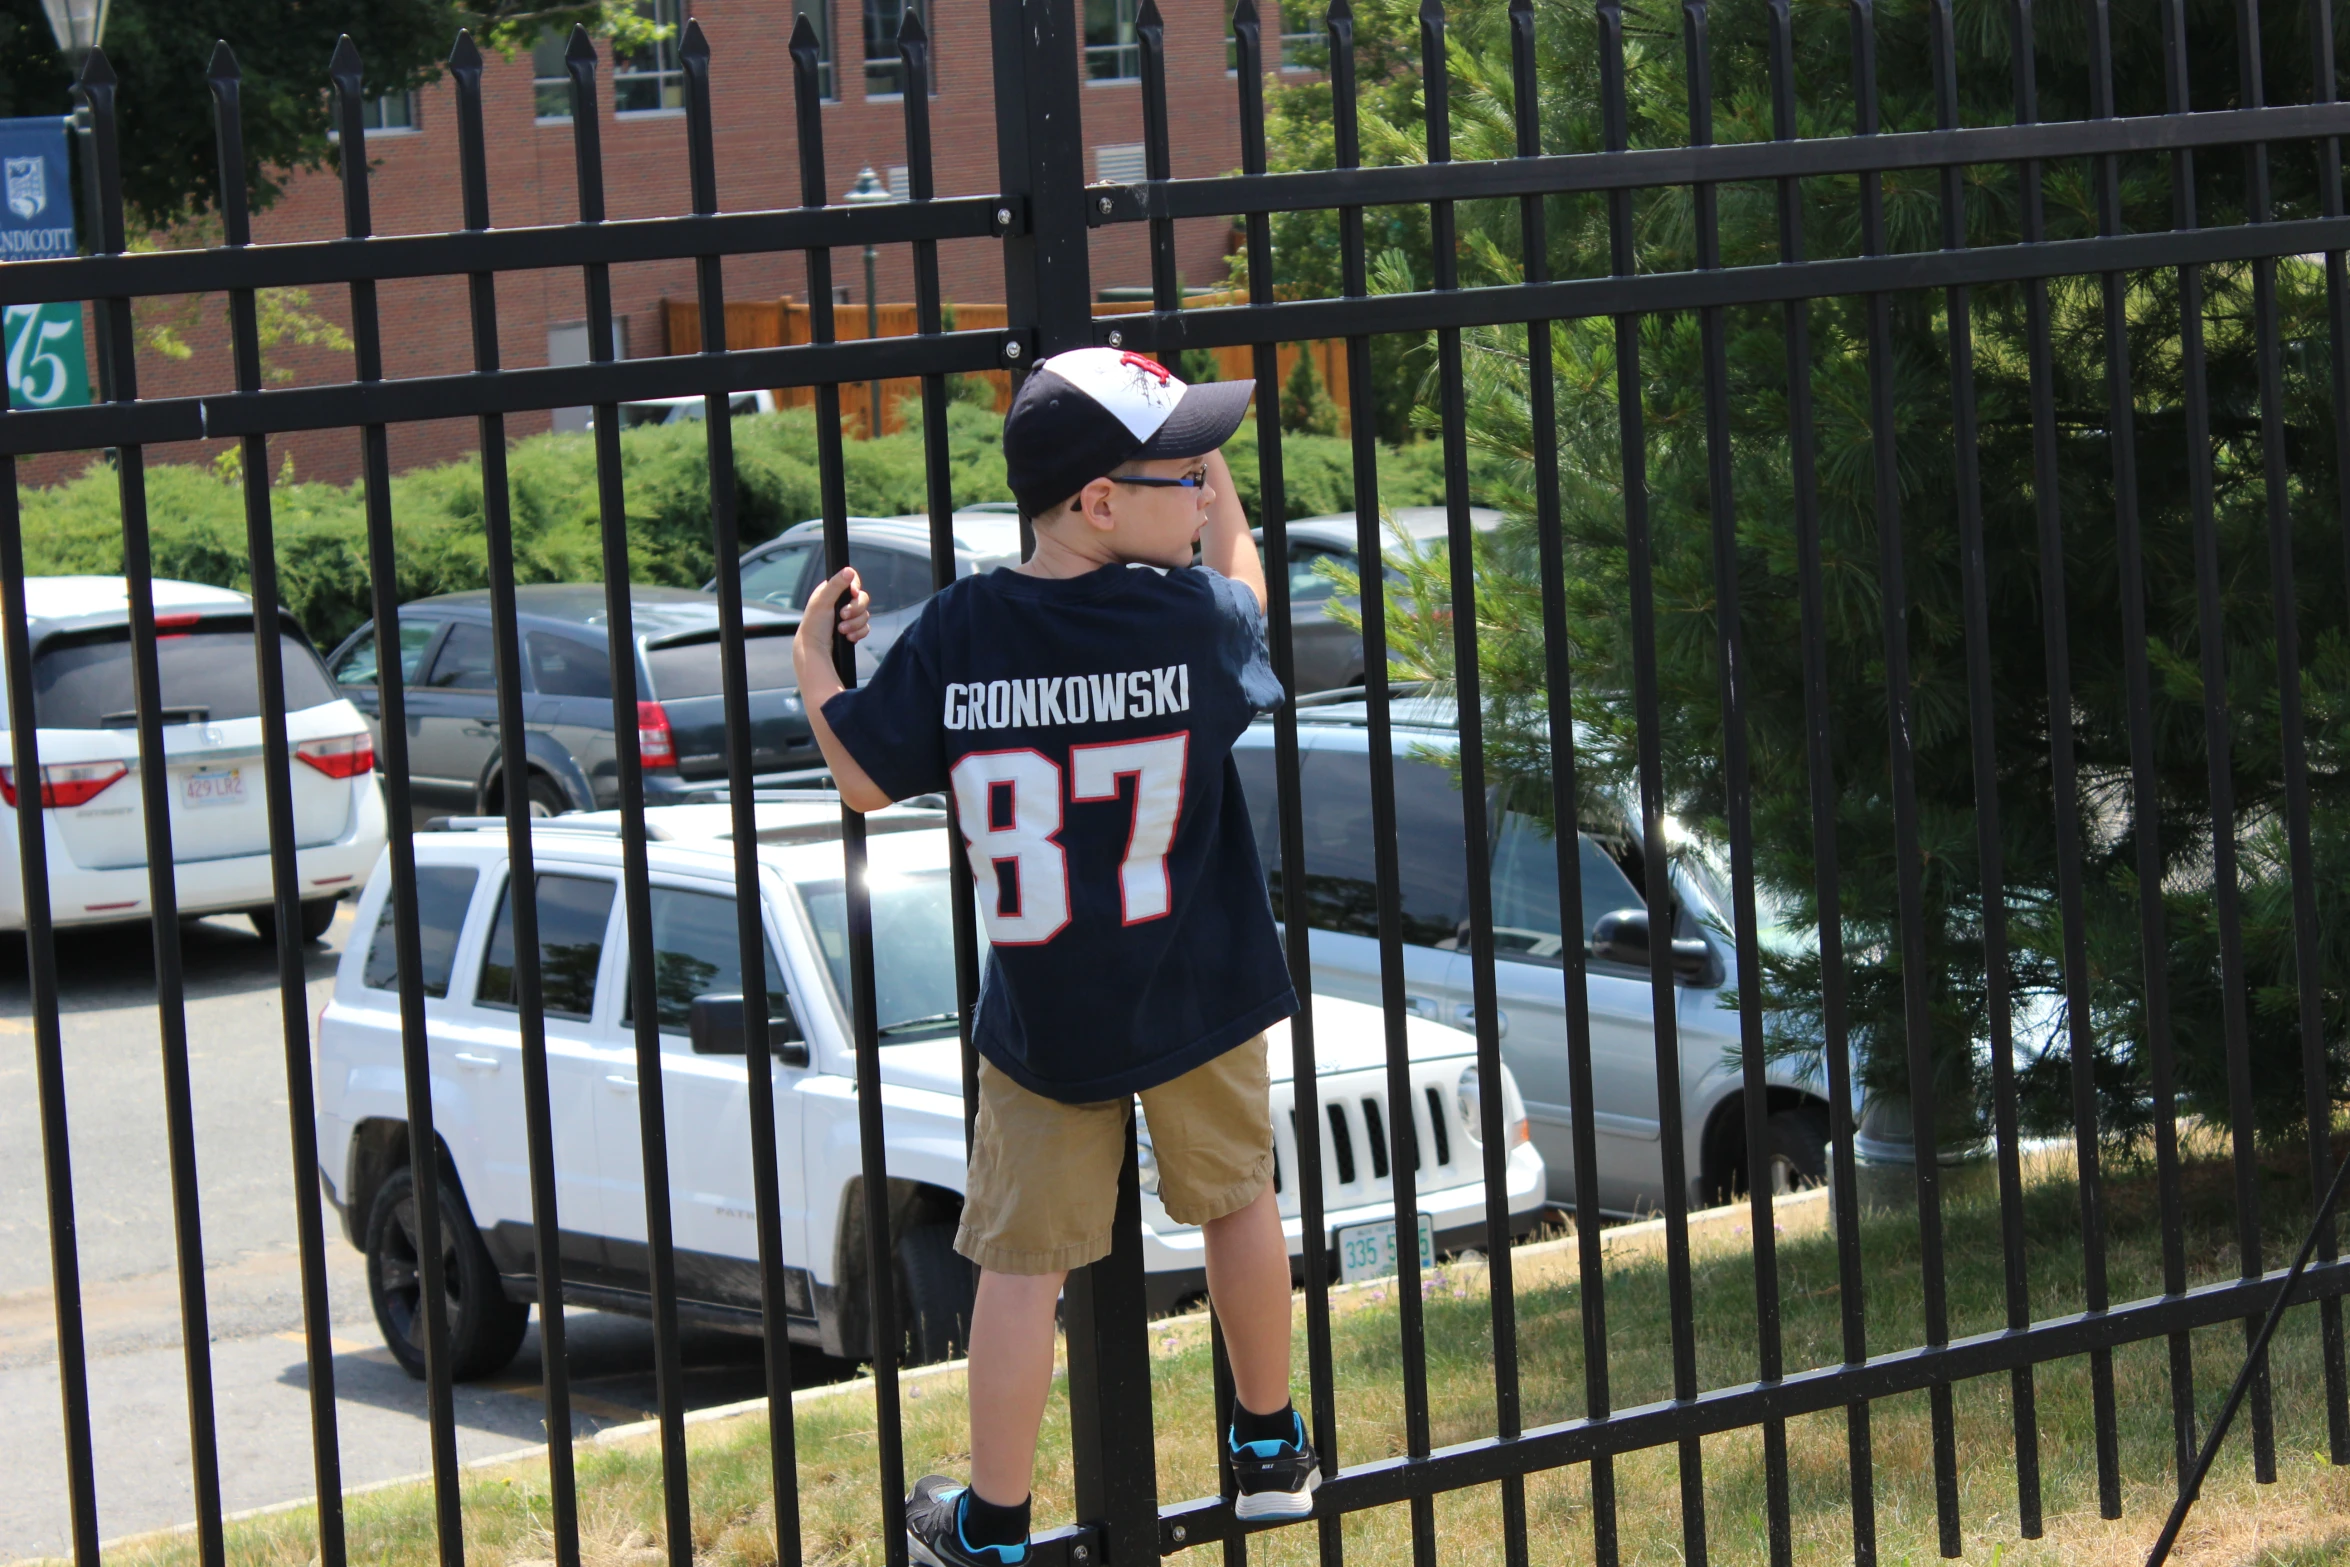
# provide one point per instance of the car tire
(545, 798)
(485, 1328)
(1795, 1149)
(317, 915)
(936, 1289)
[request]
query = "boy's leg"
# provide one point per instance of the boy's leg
(1040, 1200)
(1212, 1131)
(1012, 1331)
(1248, 1280)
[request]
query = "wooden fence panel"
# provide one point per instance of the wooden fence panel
(762, 323)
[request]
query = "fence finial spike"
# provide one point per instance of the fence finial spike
(343, 69)
(1149, 16)
(96, 72)
(581, 47)
(465, 55)
(1431, 13)
(223, 67)
(911, 30)
(1340, 11)
(803, 34)
(695, 42)
(1245, 13)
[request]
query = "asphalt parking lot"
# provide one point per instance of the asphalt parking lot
(248, 1192)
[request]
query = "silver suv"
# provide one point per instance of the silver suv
(1334, 741)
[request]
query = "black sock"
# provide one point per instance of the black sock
(1279, 1426)
(984, 1523)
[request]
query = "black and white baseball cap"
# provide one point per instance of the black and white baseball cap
(1082, 413)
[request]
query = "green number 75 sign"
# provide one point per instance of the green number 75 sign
(46, 368)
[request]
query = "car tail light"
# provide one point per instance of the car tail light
(654, 743)
(66, 784)
(344, 756)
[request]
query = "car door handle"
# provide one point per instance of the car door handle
(478, 1063)
(619, 1084)
(1501, 1021)
(1422, 1006)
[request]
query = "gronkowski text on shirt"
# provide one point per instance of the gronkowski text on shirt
(1068, 699)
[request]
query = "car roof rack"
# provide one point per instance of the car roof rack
(575, 822)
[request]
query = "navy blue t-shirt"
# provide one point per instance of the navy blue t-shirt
(1085, 727)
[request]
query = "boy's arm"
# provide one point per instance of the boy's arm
(811, 657)
(1224, 545)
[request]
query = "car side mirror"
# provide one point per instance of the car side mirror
(1622, 937)
(715, 1026)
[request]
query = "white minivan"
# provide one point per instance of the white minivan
(488, 1242)
(87, 715)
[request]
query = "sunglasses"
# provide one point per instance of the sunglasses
(1194, 480)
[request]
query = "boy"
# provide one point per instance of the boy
(1082, 707)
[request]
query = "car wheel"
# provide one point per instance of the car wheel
(545, 798)
(1795, 1144)
(317, 915)
(485, 1328)
(936, 1288)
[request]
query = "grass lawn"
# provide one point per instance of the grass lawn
(2300, 1522)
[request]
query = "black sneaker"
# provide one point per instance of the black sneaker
(934, 1529)
(1276, 1479)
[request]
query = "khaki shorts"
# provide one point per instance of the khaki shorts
(1044, 1175)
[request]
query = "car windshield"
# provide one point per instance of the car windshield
(913, 949)
(208, 677)
(780, 578)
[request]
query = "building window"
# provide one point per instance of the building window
(1111, 51)
(1119, 164)
(1301, 53)
(819, 15)
(391, 114)
(567, 344)
(551, 78)
(650, 80)
(885, 76)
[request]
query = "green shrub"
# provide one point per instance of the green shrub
(197, 517)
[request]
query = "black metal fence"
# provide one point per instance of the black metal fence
(1042, 215)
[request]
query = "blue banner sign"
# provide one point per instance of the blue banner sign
(36, 190)
(43, 343)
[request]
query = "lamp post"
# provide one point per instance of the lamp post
(868, 191)
(79, 26)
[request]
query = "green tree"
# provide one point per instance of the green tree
(1306, 256)
(1306, 408)
(159, 48)
(1757, 413)
(1198, 365)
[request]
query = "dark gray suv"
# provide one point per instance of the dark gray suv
(456, 765)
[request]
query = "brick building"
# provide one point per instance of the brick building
(526, 106)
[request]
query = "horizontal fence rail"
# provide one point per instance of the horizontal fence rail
(1781, 431)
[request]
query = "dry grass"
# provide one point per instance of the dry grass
(2303, 1520)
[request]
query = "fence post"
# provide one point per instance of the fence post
(1041, 154)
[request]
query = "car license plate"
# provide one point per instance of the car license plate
(1367, 1251)
(225, 786)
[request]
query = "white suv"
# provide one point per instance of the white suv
(477, 1088)
(211, 699)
